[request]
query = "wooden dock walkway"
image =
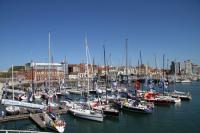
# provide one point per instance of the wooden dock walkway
(38, 120)
(27, 116)
(14, 117)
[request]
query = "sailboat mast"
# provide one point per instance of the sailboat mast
(138, 74)
(65, 68)
(104, 57)
(163, 73)
(175, 71)
(163, 65)
(126, 56)
(32, 77)
(174, 74)
(12, 83)
(93, 77)
(35, 80)
(86, 49)
(49, 56)
(156, 68)
(126, 44)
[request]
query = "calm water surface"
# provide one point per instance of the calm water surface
(182, 118)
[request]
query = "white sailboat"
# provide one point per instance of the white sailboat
(12, 110)
(86, 113)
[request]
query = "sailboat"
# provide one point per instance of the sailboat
(107, 108)
(12, 110)
(81, 111)
(87, 114)
(51, 120)
(101, 104)
(181, 95)
(134, 105)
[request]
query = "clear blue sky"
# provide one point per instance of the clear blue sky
(156, 27)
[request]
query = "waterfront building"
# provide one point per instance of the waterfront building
(40, 71)
(80, 70)
(198, 71)
(188, 67)
(143, 69)
(175, 67)
(195, 69)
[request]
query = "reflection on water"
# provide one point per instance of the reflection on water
(178, 104)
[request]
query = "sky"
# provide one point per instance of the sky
(156, 27)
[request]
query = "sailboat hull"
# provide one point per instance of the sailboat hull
(138, 110)
(111, 112)
(87, 114)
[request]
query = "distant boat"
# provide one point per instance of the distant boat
(181, 95)
(186, 81)
(178, 81)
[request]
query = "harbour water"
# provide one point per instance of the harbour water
(180, 118)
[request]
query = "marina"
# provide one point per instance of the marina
(99, 66)
(35, 119)
(94, 99)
